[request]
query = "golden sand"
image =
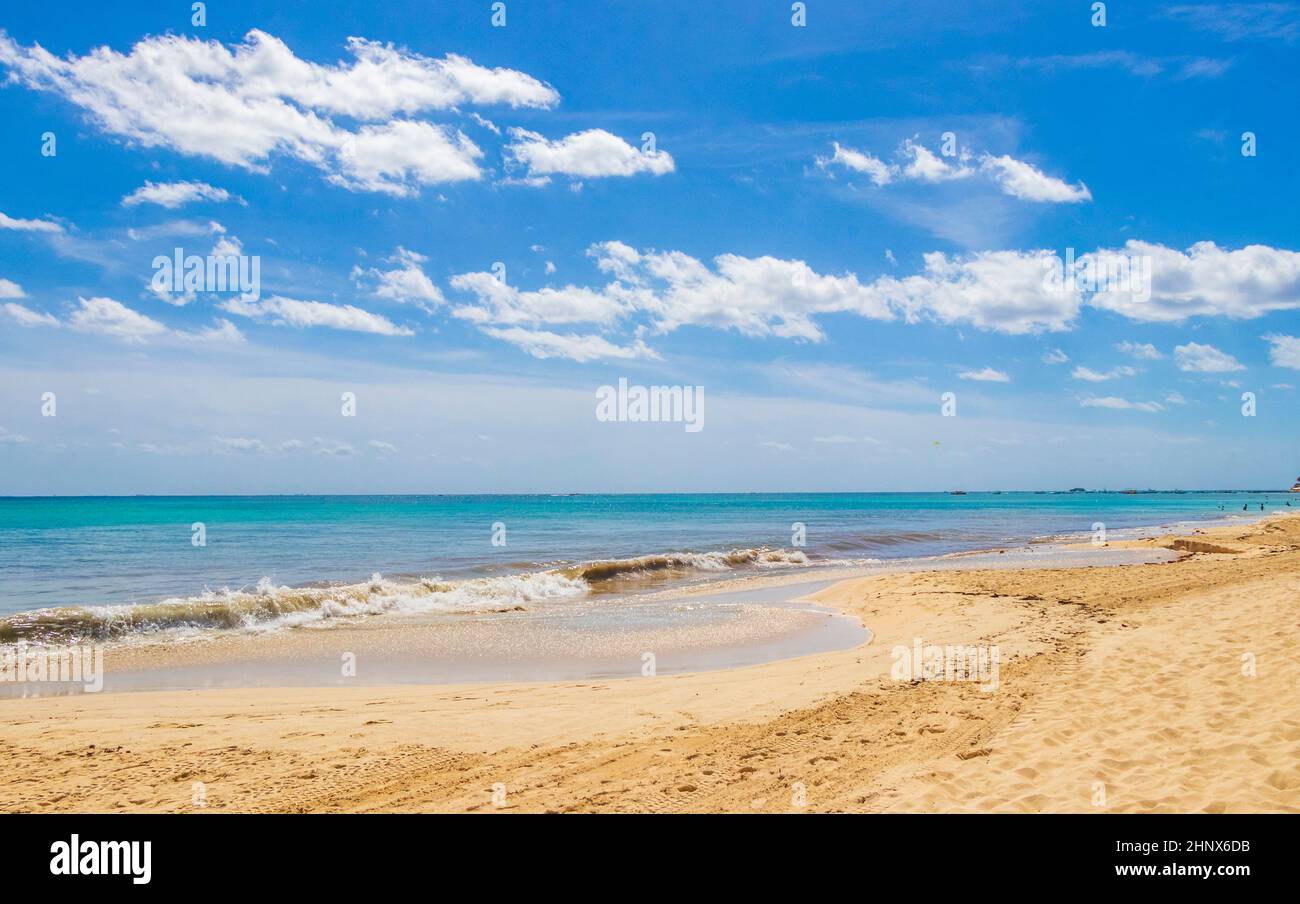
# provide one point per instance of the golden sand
(1168, 688)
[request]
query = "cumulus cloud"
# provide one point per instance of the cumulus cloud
(1205, 280)
(1093, 376)
(1055, 356)
(987, 375)
(594, 153)
(294, 312)
(501, 303)
(917, 163)
(112, 318)
(1285, 350)
(174, 194)
(1000, 291)
(926, 166)
(1142, 351)
(398, 157)
(11, 289)
(245, 104)
(107, 317)
(1025, 181)
(331, 447)
(1205, 359)
(406, 282)
(762, 296)
(880, 172)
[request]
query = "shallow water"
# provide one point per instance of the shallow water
(113, 568)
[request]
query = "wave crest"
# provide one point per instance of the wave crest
(268, 607)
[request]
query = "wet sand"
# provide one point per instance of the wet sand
(1121, 688)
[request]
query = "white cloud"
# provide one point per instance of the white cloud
(112, 318)
(293, 312)
(7, 437)
(382, 447)
(1205, 359)
(544, 344)
(1206, 280)
(1142, 351)
(27, 317)
(11, 289)
(880, 172)
(999, 291)
(106, 317)
(590, 154)
(501, 303)
(400, 156)
(243, 105)
(926, 166)
(332, 447)
(1285, 351)
(918, 163)
(1028, 183)
(1055, 356)
(766, 296)
(755, 296)
(1135, 64)
(1120, 404)
(993, 290)
(407, 282)
(1242, 21)
(173, 194)
(987, 375)
(241, 444)
(8, 222)
(222, 331)
(1092, 376)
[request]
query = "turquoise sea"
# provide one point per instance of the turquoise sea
(130, 564)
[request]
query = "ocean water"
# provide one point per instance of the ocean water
(74, 568)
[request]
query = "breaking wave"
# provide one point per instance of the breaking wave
(269, 607)
(683, 562)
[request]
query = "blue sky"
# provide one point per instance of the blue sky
(791, 236)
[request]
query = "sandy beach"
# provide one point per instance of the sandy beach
(1152, 688)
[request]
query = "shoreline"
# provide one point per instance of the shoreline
(1129, 676)
(693, 626)
(292, 614)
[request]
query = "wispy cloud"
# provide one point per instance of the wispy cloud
(1241, 21)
